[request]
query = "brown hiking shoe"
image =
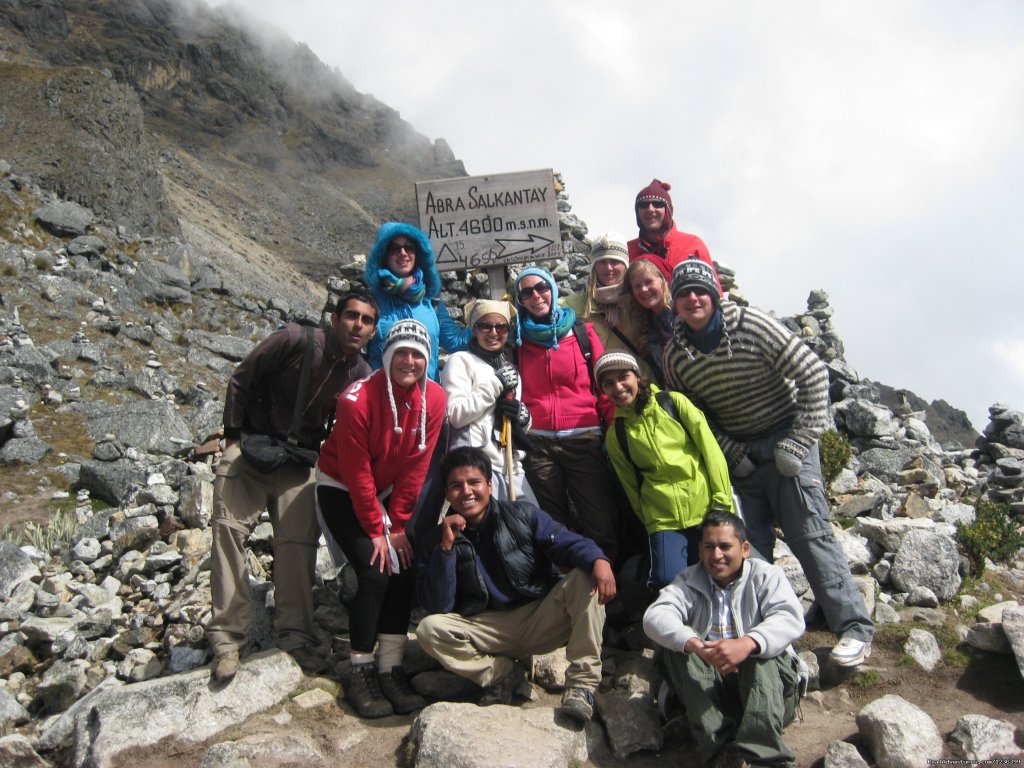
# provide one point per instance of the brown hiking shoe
(364, 693)
(396, 689)
(225, 665)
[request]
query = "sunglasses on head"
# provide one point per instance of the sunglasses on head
(499, 328)
(528, 291)
(651, 203)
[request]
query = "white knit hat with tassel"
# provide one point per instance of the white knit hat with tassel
(407, 334)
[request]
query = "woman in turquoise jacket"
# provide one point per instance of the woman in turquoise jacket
(401, 274)
(667, 460)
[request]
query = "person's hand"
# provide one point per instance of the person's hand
(380, 552)
(451, 527)
(744, 469)
(727, 655)
(602, 581)
(515, 410)
(403, 547)
(509, 378)
(787, 463)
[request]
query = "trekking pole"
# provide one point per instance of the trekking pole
(506, 440)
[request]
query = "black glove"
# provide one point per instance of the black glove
(515, 410)
(509, 378)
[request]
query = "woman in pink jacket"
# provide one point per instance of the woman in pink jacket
(566, 462)
(370, 472)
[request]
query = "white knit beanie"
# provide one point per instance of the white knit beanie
(610, 245)
(407, 334)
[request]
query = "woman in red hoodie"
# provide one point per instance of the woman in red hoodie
(370, 472)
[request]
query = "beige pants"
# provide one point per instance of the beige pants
(241, 493)
(481, 647)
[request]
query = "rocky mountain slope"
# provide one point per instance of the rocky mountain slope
(138, 265)
(256, 139)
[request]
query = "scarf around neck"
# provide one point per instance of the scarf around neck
(707, 340)
(410, 289)
(493, 359)
(547, 334)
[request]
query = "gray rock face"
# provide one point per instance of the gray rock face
(65, 218)
(842, 754)
(979, 738)
(468, 736)
(163, 284)
(186, 706)
(265, 749)
(927, 559)
(15, 567)
(16, 752)
(149, 425)
(885, 463)
(923, 648)
(988, 637)
(898, 734)
(1013, 628)
(631, 721)
(11, 711)
(23, 452)
(866, 419)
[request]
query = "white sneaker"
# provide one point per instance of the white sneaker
(849, 652)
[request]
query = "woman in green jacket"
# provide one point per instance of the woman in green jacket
(667, 460)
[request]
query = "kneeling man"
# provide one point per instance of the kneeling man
(490, 579)
(728, 623)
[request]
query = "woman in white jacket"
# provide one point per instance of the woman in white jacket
(483, 387)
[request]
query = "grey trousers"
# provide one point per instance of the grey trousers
(798, 506)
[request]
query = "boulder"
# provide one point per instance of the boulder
(899, 734)
(631, 721)
(15, 567)
(16, 752)
(842, 754)
(1013, 628)
(465, 735)
(265, 749)
(153, 426)
(186, 706)
(980, 739)
(923, 648)
(64, 218)
(928, 559)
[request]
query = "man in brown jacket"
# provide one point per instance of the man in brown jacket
(260, 400)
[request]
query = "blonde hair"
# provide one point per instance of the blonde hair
(641, 315)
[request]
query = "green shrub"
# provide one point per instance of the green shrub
(835, 454)
(41, 263)
(993, 534)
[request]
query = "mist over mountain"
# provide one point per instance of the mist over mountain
(256, 139)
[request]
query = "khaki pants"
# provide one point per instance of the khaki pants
(241, 493)
(481, 647)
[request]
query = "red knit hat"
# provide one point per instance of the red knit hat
(656, 190)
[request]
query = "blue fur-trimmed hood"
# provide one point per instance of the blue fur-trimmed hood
(424, 260)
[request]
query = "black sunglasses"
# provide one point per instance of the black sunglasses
(528, 291)
(500, 328)
(651, 203)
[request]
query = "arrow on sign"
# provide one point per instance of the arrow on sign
(445, 256)
(516, 247)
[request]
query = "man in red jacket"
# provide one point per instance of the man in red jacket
(659, 240)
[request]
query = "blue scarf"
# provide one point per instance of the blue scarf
(707, 341)
(410, 289)
(547, 333)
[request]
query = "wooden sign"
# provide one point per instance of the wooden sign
(487, 221)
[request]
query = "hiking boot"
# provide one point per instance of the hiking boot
(225, 665)
(578, 703)
(396, 689)
(849, 652)
(364, 693)
(503, 691)
(309, 659)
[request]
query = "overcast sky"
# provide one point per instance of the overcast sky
(872, 149)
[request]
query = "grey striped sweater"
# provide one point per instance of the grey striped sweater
(760, 377)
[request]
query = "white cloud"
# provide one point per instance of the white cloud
(869, 149)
